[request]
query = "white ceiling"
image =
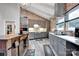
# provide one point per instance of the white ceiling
(45, 10)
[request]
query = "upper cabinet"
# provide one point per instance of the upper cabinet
(59, 9)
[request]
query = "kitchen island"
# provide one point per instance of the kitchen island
(10, 45)
(63, 45)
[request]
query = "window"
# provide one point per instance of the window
(60, 26)
(60, 23)
(60, 19)
(73, 19)
(72, 24)
(74, 14)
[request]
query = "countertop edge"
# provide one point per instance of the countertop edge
(62, 37)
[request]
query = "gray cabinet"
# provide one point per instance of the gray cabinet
(61, 50)
(62, 41)
(62, 47)
(38, 35)
(51, 40)
(44, 34)
(54, 43)
(31, 35)
(58, 44)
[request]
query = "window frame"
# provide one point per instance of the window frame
(60, 23)
(69, 20)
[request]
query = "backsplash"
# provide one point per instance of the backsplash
(37, 30)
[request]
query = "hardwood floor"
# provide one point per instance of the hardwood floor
(38, 46)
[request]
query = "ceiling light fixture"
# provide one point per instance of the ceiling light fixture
(36, 26)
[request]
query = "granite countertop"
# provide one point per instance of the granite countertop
(6, 37)
(72, 39)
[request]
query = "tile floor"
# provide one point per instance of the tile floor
(37, 44)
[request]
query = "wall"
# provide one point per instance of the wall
(68, 6)
(1, 25)
(52, 23)
(33, 18)
(9, 11)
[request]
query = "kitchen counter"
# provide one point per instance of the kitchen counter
(7, 37)
(6, 42)
(71, 39)
(63, 45)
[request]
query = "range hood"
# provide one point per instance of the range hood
(59, 9)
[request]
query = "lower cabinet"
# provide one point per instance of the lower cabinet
(61, 50)
(55, 44)
(38, 35)
(62, 47)
(51, 40)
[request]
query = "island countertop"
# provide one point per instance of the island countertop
(71, 39)
(7, 37)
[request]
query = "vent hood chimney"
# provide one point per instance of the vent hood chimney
(59, 9)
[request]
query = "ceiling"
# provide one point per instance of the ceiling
(45, 10)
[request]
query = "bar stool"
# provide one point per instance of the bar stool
(12, 46)
(15, 45)
(21, 49)
(24, 41)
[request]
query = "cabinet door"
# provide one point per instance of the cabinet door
(56, 44)
(61, 50)
(31, 35)
(51, 39)
(37, 35)
(62, 41)
(42, 34)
